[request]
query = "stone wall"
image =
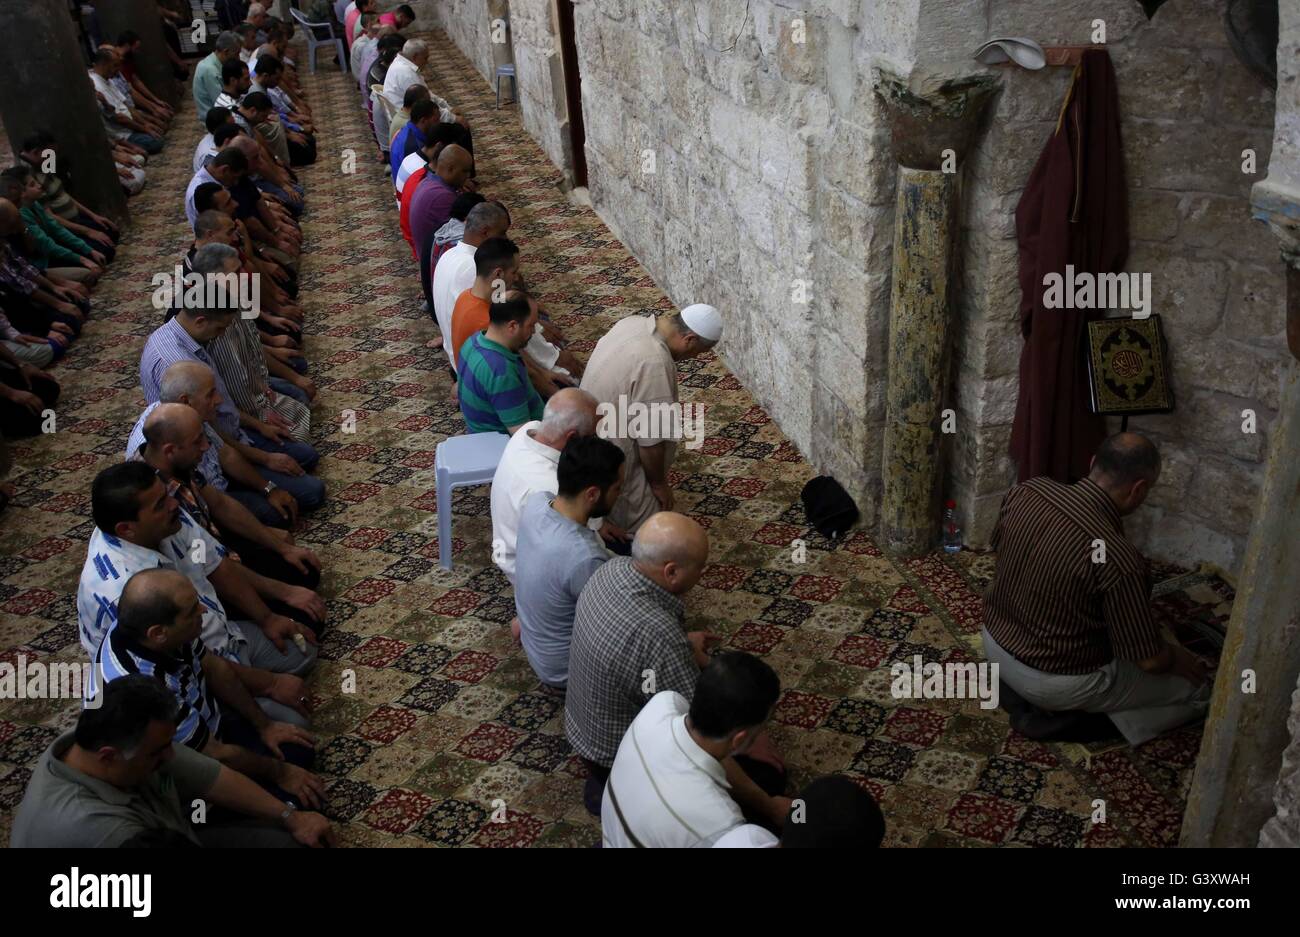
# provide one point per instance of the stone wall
(739, 152)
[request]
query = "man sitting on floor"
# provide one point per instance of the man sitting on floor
(456, 270)
(1071, 632)
(669, 786)
(833, 812)
(118, 775)
(494, 391)
(138, 525)
(558, 551)
(207, 74)
(250, 720)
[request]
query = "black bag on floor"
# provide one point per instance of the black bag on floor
(828, 507)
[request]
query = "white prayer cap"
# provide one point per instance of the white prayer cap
(704, 321)
(1024, 52)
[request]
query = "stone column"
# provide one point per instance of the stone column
(43, 72)
(152, 63)
(932, 123)
(1247, 776)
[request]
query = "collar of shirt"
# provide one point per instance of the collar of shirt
(697, 756)
(100, 790)
(1094, 494)
(486, 344)
(654, 592)
(165, 662)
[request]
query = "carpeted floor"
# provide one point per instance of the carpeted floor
(448, 739)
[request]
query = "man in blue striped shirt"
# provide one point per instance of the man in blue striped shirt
(495, 393)
(158, 634)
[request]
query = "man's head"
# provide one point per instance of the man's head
(214, 227)
(511, 322)
(257, 15)
(590, 471)
(127, 500)
(390, 44)
(417, 51)
(414, 94)
(160, 609)
(404, 16)
(106, 61)
(496, 263)
(234, 78)
(485, 221)
(129, 736)
(268, 70)
(193, 384)
(217, 118)
(247, 33)
(37, 147)
(19, 185)
(693, 331)
(1126, 467)
(174, 439)
(464, 204)
(212, 196)
(672, 550)
(11, 222)
(228, 166)
(256, 107)
(833, 813)
(437, 138)
(733, 698)
(227, 132)
(248, 146)
(128, 42)
(219, 267)
(570, 413)
(454, 165)
(227, 46)
(424, 115)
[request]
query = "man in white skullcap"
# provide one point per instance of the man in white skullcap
(633, 376)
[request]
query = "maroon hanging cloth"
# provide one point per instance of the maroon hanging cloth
(1073, 212)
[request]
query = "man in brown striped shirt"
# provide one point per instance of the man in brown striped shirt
(1068, 619)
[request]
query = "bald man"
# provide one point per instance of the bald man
(175, 441)
(251, 720)
(1068, 618)
(528, 466)
(433, 198)
(635, 365)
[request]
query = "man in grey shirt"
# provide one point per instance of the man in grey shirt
(118, 775)
(556, 552)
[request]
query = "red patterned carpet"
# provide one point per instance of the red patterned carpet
(448, 738)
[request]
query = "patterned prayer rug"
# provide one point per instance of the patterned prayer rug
(448, 739)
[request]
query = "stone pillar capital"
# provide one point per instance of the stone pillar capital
(929, 113)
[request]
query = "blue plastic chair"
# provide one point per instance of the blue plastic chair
(507, 71)
(320, 34)
(460, 461)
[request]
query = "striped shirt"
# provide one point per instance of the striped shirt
(111, 561)
(199, 715)
(1058, 603)
(494, 390)
(170, 343)
(238, 354)
(629, 642)
(209, 462)
(202, 177)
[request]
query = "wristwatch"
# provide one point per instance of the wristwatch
(270, 487)
(289, 810)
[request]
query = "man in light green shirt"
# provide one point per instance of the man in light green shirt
(118, 776)
(207, 74)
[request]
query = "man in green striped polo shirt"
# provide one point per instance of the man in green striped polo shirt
(495, 393)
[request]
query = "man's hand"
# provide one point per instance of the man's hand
(306, 385)
(285, 503)
(275, 734)
(307, 787)
(778, 809)
(288, 690)
(275, 419)
(570, 363)
(310, 829)
(1189, 666)
(304, 600)
(701, 641)
(280, 630)
(23, 398)
(30, 372)
(283, 463)
(301, 559)
(612, 533)
(271, 431)
(663, 493)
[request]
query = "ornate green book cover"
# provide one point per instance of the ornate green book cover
(1127, 366)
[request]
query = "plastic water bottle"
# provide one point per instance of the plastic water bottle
(951, 532)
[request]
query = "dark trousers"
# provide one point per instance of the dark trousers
(268, 563)
(236, 730)
(17, 421)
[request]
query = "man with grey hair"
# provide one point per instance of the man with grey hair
(207, 74)
(630, 642)
(528, 465)
(455, 272)
(405, 71)
(633, 369)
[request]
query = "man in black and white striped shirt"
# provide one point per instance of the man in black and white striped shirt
(1068, 617)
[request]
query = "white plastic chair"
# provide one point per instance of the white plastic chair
(459, 461)
(315, 39)
(381, 111)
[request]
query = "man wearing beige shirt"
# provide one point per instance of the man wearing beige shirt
(633, 374)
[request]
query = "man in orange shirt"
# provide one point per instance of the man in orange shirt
(496, 268)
